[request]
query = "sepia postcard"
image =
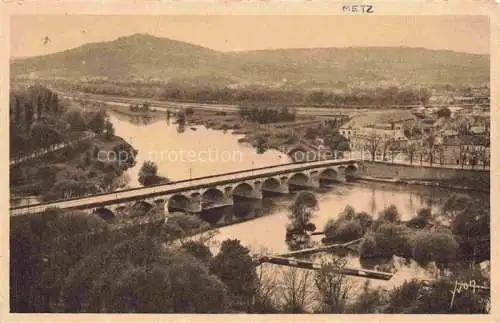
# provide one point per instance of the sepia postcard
(242, 158)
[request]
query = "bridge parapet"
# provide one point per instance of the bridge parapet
(187, 194)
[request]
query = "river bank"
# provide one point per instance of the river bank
(461, 179)
(422, 183)
(74, 170)
(278, 136)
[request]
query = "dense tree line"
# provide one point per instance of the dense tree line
(38, 120)
(461, 233)
(256, 94)
(73, 262)
(267, 115)
(78, 167)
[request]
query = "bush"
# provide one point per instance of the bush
(347, 214)
(198, 250)
(365, 220)
(403, 298)
(440, 247)
(390, 214)
(368, 248)
(436, 300)
(392, 239)
(346, 231)
(234, 266)
(421, 220)
(368, 301)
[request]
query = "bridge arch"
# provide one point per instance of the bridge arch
(178, 202)
(104, 213)
(271, 184)
(299, 179)
(328, 174)
(350, 171)
(243, 190)
(212, 195)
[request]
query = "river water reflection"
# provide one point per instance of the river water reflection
(266, 229)
(188, 154)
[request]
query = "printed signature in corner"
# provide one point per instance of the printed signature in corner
(362, 8)
(463, 286)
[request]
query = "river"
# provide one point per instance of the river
(195, 152)
(153, 136)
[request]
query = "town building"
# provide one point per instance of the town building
(463, 150)
(386, 125)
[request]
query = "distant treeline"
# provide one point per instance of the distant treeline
(258, 94)
(267, 115)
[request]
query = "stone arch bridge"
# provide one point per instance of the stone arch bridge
(196, 195)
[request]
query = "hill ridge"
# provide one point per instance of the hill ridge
(145, 56)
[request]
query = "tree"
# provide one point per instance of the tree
(109, 130)
(178, 228)
(199, 250)
(421, 152)
(368, 248)
(140, 275)
(474, 158)
(337, 142)
(472, 227)
(444, 113)
(402, 298)
(97, 121)
(392, 239)
(345, 231)
(436, 300)
(183, 287)
(390, 214)
(430, 145)
(374, 141)
(75, 120)
(332, 285)
(43, 250)
(234, 267)
(266, 300)
(301, 212)
(148, 174)
(311, 133)
(365, 220)
(29, 115)
(456, 204)
(441, 154)
(43, 135)
(369, 301)
(484, 155)
(385, 143)
(440, 247)
(39, 107)
(295, 290)
(421, 220)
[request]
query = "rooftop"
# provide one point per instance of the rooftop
(466, 140)
(379, 117)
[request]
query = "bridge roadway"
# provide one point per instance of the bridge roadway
(135, 194)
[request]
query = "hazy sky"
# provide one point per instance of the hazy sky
(228, 33)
